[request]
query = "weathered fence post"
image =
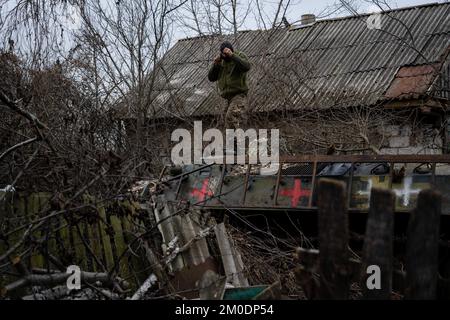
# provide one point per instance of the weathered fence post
(422, 247)
(333, 240)
(378, 249)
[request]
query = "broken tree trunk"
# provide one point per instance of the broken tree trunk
(50, 280)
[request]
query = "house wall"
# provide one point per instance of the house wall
(417, 135)
(410, 133)
(403, 139)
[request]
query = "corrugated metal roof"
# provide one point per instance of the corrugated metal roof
(335, 62)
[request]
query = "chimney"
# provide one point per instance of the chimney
(308, 19)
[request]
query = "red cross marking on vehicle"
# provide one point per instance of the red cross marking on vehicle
(204, 191)
(296, 193)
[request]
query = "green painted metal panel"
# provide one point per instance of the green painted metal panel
(246, 293)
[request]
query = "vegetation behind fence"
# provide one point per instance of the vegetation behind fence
(96, 237)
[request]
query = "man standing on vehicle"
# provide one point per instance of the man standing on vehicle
(230, 71)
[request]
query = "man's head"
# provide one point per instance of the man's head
(225, 44)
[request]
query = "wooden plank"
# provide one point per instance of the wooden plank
(95, 242)
(134, 264)
(378, 247)
(86, 236)
(88, 228)
(32, 204)
(137, 263)
(51, 245)
(18, 218)
(422, 247)
(65, 246)
(96, 229)
(106, 241)
(94, 247)
(78, 245)
(5, 213)
(34, 208)
(333, 240)
(111, 234)
(121, 247)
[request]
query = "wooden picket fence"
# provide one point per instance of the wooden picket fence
(96, 237)
(329, 272)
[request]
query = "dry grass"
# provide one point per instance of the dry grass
(266, 262)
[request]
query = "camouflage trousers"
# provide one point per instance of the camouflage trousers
(236, 112)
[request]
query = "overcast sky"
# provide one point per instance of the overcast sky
(321, 8)
(317, 6)
(247, 13)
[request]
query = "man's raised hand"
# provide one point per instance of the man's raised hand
(217, 60)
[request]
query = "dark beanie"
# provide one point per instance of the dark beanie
(226, 44)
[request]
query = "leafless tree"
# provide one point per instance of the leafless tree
(64, 96)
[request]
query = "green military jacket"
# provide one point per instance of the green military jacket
(231, 75)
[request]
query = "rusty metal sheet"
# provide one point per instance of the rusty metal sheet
(411, 158)
(406, 191)
(260, 191)
(411, 81)
(294, 192)
(200, 187)
(241, 187)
